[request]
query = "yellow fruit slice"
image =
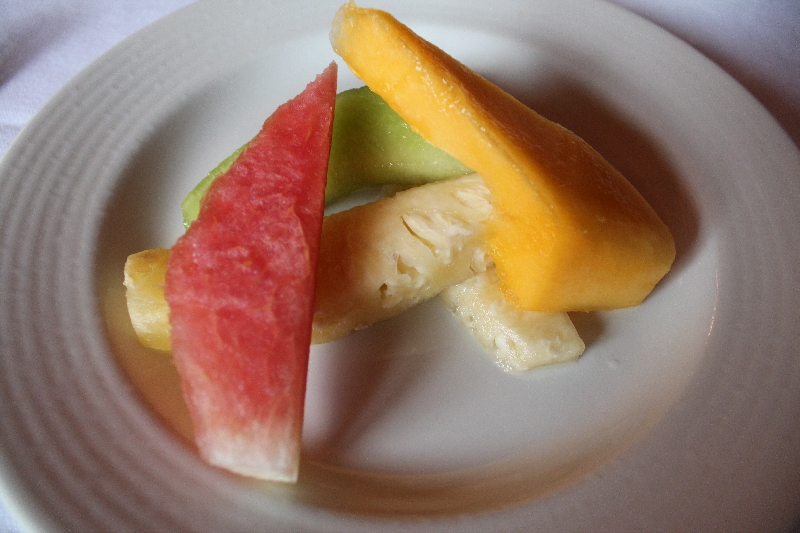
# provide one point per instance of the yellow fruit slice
(147, 307)
(569, 232)
(516, 340)
(375, 261)
(379, 259)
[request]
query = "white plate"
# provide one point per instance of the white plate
(680, 416)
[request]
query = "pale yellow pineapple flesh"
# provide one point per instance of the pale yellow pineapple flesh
(569, 232)
(147, 307)
(517, 340)
(379, 259)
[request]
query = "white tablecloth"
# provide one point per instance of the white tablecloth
(43, 43)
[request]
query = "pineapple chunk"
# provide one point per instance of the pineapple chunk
(381, 258)
(147, 307)
(376, 260)
(517, 340)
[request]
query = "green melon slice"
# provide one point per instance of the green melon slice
(372, 146)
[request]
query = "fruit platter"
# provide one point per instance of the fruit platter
(595, 312)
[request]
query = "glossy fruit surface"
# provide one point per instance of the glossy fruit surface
(372, 145)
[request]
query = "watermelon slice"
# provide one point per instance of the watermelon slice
(240, 287)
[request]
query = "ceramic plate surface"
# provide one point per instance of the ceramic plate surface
(681, 415)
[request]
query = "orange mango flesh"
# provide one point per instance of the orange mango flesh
(569, 232)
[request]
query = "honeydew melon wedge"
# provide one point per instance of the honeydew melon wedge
(569, 232)
(371, 146)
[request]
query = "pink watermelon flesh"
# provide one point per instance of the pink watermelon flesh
(240, 287)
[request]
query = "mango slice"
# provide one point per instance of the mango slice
(569, 232)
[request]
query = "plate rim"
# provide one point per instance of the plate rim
(19, 147)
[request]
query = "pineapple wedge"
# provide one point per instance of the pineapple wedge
(147, 307)
(376, 260)
(381, 258)
(517, 340)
